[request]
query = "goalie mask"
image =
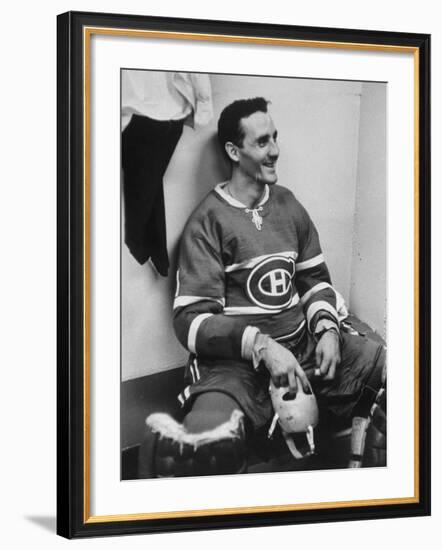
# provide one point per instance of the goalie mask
(295, 413)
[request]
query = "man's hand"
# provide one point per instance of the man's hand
(328, 355)
(280, 362)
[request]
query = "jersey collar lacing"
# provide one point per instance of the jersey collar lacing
(256, 218)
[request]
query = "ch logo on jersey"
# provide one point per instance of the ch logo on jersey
(270, 285)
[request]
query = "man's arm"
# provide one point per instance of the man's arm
(199, 321)
(318, 297)
(202, 328)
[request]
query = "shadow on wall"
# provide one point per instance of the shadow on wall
(196, 167)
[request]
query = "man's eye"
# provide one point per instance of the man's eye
(262, 143)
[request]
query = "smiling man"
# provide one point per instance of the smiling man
(254, 303)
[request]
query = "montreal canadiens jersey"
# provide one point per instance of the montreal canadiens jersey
(240, 268)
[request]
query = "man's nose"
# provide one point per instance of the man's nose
(274, 149)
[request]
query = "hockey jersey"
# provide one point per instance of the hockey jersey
(242, 270)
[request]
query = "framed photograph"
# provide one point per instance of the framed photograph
(243, 248)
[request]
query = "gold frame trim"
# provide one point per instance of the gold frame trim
(87, 34)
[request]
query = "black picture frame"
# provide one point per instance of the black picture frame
(73, 517)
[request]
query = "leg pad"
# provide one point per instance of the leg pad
(178, 452)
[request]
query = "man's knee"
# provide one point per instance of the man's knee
(209, 410)
(208, 443)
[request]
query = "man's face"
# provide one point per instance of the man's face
(259, 152)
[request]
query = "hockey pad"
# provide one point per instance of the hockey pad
(369, 435)
(376, 445)
(178, 452)
(359, 429)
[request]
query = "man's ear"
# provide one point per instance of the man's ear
(232, 151)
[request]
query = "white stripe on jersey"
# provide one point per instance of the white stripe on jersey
(197, 371)
(307, 264)
(248, 264)
(314, 290)
(192, 373)
(255, 310)
(193, 330)
(184, 396)
(177, 291)
(291, 334)
(317, 306)
(182, 301)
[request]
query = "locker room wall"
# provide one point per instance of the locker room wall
(320, 136)
(369, 262)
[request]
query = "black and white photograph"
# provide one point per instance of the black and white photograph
(219, 318)
(253, 274)
(243, 262)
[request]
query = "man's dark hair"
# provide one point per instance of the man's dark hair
(229, 123)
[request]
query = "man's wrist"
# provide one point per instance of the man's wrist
(323, 326)
(259, 350)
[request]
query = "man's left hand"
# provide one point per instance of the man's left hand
(328, 354)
